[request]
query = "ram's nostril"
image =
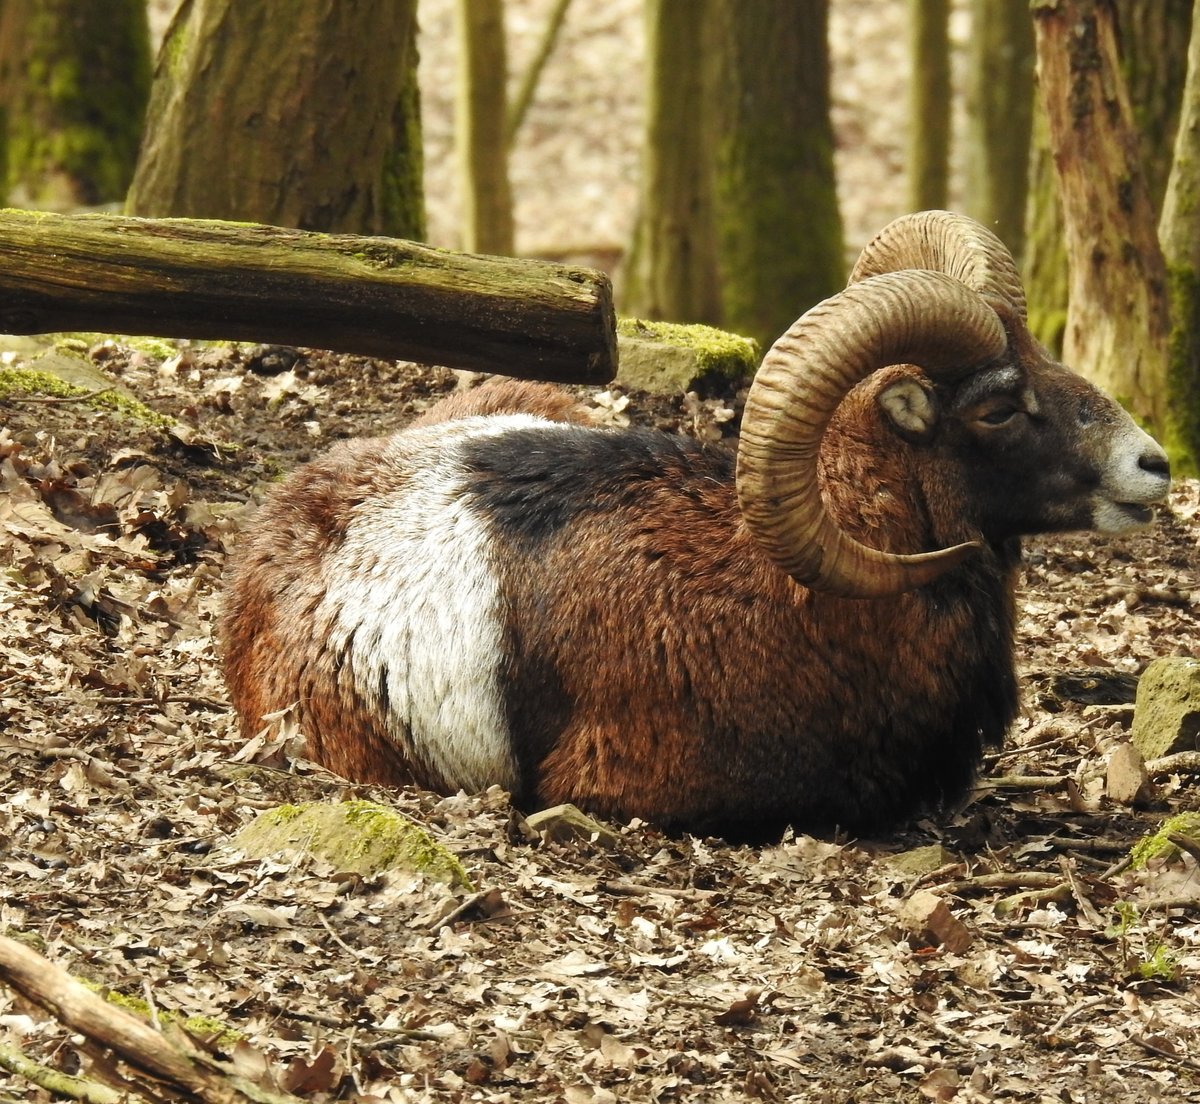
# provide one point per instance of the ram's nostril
(1155, 462)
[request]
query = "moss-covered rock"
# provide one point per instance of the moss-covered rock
(360, 836)
(1166, 717)
(668, 358)
(61, 373)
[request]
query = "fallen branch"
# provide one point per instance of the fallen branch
(182, 1065)
(62, 1084)
(378, 297)
(1182, 762)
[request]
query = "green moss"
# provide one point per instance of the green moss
(716, 350)
(1158, 846)
(30, 381)
(205, 1027)
(361, 836)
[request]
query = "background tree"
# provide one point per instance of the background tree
(291, 121)
(1153, 44)
(1000, 93)
(74, 80)
(1044, 257)
(929, 104)
(1179, 232)
(1117, 320)
(671, 268)
(778, 227)
(481, 128)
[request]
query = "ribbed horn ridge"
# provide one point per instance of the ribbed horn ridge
(943, 241)
(924, 318)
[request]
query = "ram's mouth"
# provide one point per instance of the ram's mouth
(1136, 512)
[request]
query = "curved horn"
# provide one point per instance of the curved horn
(945, 242)
(922, 318)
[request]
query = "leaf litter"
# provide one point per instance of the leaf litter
(647, 968)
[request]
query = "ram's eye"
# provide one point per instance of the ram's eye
(999, 415)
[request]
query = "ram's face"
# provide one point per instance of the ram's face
(1042, 450)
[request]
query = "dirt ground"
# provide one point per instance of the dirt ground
(652, 968)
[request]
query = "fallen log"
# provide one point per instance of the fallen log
(379, 297)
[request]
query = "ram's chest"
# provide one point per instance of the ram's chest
(413, 607)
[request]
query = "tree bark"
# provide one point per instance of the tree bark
(1000, 117)
(1044, 263)
(481, 134)
(372, 296)
(74, 81)
(928, 104)
(671, 271)
(1179, 232)
(1153, 42)
(779, 230)
(288, 121)
(1118, 321)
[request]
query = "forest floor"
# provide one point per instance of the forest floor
(648, 968)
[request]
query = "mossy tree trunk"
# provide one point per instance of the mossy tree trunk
(1118, 320)
(288, 121)
(1153, 41)
(928, 104)
(1044, 259)
(1000, 117)
(74, 81)
(671, 271)
(1179, 232)
(779, 230)
(481, 128)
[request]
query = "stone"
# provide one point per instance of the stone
(1126, 780)
(564, 823)
(668, 358)
(929, 918)
(1166, 716)
(362, 837)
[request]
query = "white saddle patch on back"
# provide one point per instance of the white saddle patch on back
(417, 605)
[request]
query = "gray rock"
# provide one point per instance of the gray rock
(1166, 718)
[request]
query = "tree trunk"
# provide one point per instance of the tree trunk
(1154, 46)
(74, 80)
(779, 231)
(403, 187)
(288, 121)
(928, 104)
(1045, 255)
(481, 128)
(671, 271)
(373, 296)
(1000, 116)
(1118, 322)
(1179, 232)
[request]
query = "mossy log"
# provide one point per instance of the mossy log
(380, 297)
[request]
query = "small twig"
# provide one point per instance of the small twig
(1005, 880)
(1071, 1013)
(1185, 843)
(338, 939)
(461, 910)
(635, 889)
(60, 399)
(945, 1032)
(1022, 781)
(1162, 1052)
(1119, 867)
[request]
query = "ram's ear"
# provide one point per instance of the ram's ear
(911, 407)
